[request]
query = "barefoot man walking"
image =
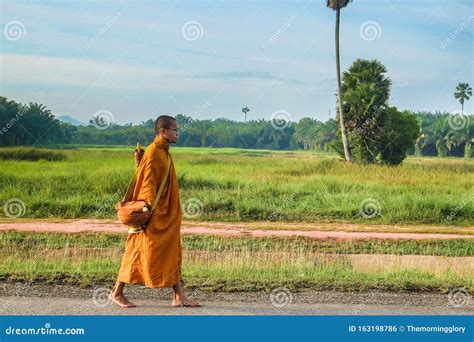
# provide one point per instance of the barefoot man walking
(153, 257)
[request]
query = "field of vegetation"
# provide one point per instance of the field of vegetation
(237, 185)
(213, 263)
(230, 184)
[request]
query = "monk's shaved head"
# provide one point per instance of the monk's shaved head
(163, 121)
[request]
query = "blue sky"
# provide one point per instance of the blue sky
(208, 59)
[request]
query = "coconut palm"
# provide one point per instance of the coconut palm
(437, 137)
(245, 110)
(463, 93)
(336, 5)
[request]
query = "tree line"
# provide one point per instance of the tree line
(436, 133)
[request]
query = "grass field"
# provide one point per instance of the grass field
(263, 187)
(241, 264)
(247, 185)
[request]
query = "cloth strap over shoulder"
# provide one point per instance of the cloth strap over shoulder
(131, 186)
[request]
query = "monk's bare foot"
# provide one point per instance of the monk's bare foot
(179, 301)
(120, 300)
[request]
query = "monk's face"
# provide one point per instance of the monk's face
(170, 132)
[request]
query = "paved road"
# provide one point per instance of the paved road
(44, 299)
(83, 306)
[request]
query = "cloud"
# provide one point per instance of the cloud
(55, 71)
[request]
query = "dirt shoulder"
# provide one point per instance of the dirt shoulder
(317, 231)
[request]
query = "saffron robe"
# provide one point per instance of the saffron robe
(154, 257)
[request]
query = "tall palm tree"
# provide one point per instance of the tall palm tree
(245, 110)
(463, 93)
(336, 5)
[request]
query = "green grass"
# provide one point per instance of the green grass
(233, 264)
(31, 154)
(250, 185)
(54, 241)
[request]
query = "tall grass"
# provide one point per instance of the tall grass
(31, 154)
(247, 185)
(241, 264)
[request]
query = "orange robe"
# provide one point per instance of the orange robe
(154, 256)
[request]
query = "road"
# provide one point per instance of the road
(34, 299)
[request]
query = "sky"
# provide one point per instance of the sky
(208, 59)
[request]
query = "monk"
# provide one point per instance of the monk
(153, 256)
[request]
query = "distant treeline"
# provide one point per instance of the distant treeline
(441, 134)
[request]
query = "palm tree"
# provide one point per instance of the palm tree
(455, 138)
(245, 110)
(437, 137)
(336, 5)
(463, 93)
